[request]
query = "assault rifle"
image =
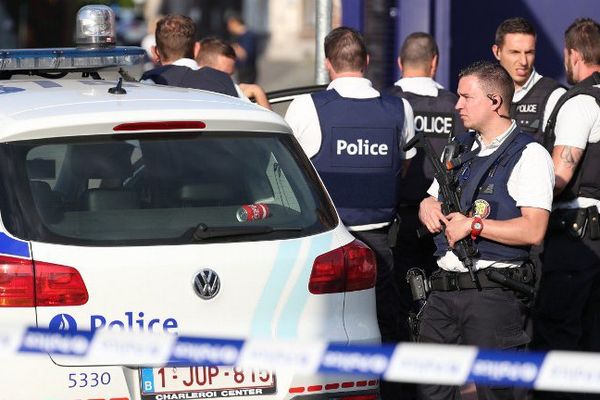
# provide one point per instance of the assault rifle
(464, 249)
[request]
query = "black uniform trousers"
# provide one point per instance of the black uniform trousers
(567, 311)
(387, 299)
(386, 292)
(410, 251)
(492, 318)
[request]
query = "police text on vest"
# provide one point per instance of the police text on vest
(433, 124)
(362, 147)
(527, 108)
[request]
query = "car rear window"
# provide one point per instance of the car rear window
(175, 188)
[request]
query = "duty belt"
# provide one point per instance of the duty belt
(446, 281)
(576, 222)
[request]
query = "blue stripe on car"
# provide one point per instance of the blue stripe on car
(13, 247)
(299, 296)
(282, 268)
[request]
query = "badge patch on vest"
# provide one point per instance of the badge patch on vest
(481, 208)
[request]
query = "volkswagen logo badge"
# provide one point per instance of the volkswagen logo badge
(207, 284)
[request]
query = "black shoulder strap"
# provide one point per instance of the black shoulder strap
(395, 91)
(584, 87)
(472, 185)
(394, 105)
(547, 87)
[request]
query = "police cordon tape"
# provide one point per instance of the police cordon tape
(404, 362)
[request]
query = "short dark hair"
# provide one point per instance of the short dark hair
(345, 49)
(418, 49)
(513, 25)
(213, 46)
(493, 78)
(583, 35)
(175, 37)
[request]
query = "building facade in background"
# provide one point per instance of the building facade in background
(464, 30)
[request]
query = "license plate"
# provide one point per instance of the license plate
(170, 383)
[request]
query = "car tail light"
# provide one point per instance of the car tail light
(16, 282)
(345, 269)
(58, 285)
(50, 285)
(359, 397)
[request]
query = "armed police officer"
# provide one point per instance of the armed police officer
(535, 95)
(567, 309)
(505, 182)
(354, 135)
(436, 118)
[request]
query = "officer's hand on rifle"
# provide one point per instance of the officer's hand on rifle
(431, 215)
(458, 227)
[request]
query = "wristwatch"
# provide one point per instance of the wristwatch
(476, 227)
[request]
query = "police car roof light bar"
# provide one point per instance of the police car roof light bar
(69, 59)
(95, 39)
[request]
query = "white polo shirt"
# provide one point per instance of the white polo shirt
(303, 119)
(577, 124)
(550, 103)
(530, 184)
(187, 62)
(419, 85)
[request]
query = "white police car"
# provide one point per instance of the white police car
(141, 208)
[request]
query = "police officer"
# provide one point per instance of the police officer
(354, 136)
(506, 182)
(436, 118)
(175, 49)
(220, 55)
(535, 95)
(567, 309)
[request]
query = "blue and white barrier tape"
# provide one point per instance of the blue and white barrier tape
(405, 362)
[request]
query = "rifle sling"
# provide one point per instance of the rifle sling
(472, 185)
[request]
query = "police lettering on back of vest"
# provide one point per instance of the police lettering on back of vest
(359, 159)
(362, 147)
(436, 118)
(434, 123)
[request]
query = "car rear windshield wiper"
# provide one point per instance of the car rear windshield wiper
(203, 231)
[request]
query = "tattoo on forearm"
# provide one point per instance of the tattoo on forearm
(567, 157)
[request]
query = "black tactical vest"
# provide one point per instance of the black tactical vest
(529, 112)
(437, 119)
(205, 78)
(586, 180)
